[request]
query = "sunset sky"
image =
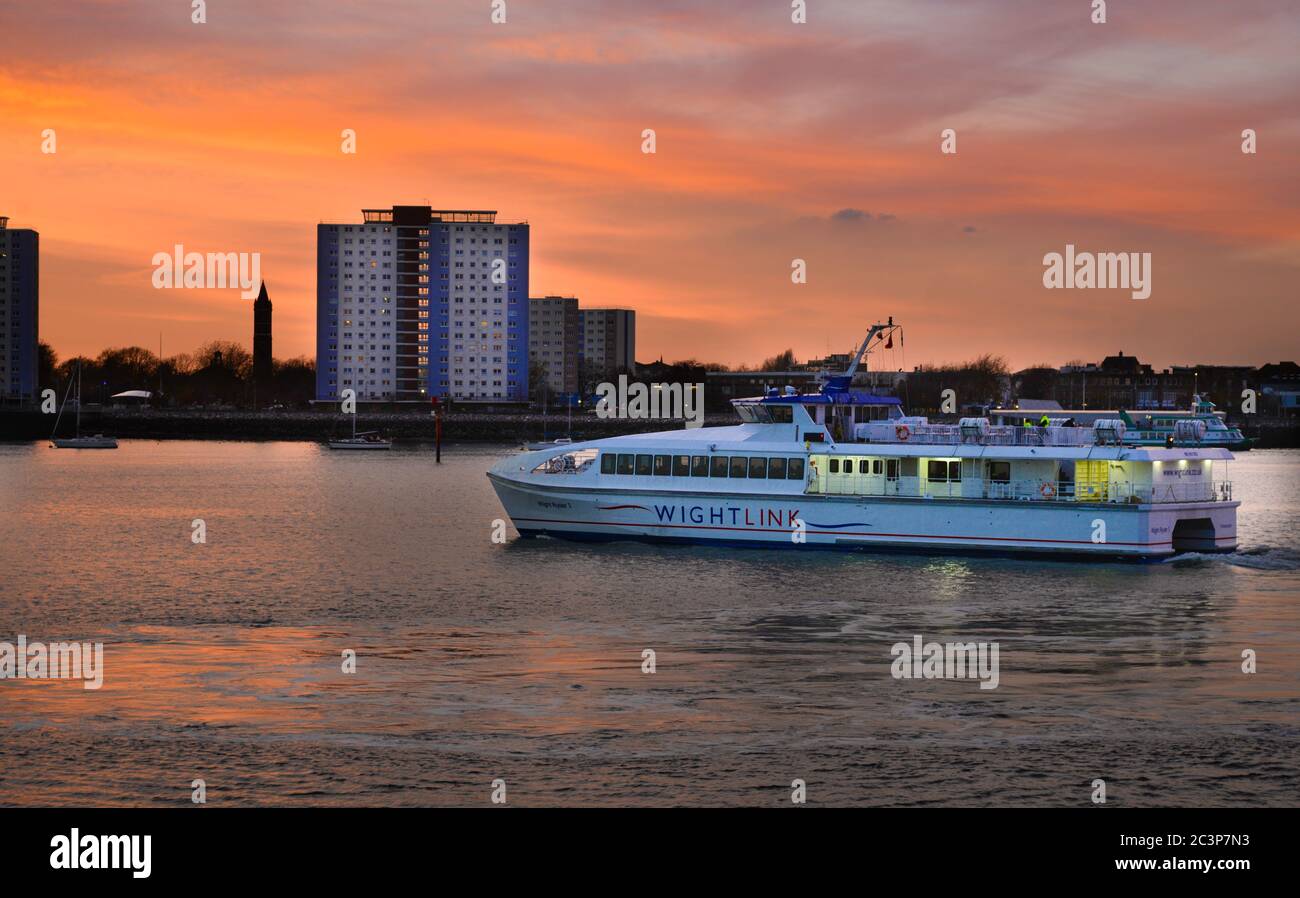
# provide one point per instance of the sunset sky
(776, 141)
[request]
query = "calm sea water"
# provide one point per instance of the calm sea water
(523, 661)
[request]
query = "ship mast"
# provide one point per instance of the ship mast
(862, 350)
(839, 383)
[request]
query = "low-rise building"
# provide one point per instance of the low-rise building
(1279, 386)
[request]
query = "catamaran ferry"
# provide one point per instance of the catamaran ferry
(844, 469)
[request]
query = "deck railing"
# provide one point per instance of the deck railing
(953, 435)
(1021, 490)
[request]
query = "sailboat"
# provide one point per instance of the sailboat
(559, 441)
(367, 439)
(98, 441)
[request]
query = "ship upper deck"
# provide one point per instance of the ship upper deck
(943, 441)
(841, 442)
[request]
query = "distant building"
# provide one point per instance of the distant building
(835, 362)
(416, 302)
(19, 311)
(876, 381)
(720, 387)
(554, 329)
(1167, 389)
(1120, 381)
(1221, 384)
(723, 386)
(262, 338)
(607, 343)
(1280, 385)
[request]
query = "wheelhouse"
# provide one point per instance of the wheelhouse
(829, 416)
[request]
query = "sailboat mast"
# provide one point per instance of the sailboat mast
(78, 397)
(67, 391)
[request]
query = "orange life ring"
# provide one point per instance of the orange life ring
(1048, 491)
(902, 432)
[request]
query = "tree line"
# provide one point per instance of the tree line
(219, 373)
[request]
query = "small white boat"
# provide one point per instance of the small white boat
(367, 439)
(562, 441)
(550, 444)
(370, 440)
(98, 441)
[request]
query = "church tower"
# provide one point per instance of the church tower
(262, 339)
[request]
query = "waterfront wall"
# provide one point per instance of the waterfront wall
(147, 423)
(462, 426)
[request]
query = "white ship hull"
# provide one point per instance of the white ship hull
(856, 522)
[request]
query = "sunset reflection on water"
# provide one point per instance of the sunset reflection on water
(524, 661)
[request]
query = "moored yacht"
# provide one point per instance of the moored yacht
(365, 440)
(98, 441)
(841, 468)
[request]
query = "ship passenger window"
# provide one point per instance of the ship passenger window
(1000, 471)
(643, 464)
(739, 465)
(624, 463)
(758, 468)
(699, 466)
(937, 471)
(944, 471)
(794, 471)
(864, 466)
(891, 469)
(662, 465)
(776, 468)
(608, 461)
(681, 465)
(781, 414)
(718, 466)
(875, 466)
(835, 465)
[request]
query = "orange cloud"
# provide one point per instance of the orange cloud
(225, 137)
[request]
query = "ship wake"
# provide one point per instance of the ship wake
(1260, 558)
